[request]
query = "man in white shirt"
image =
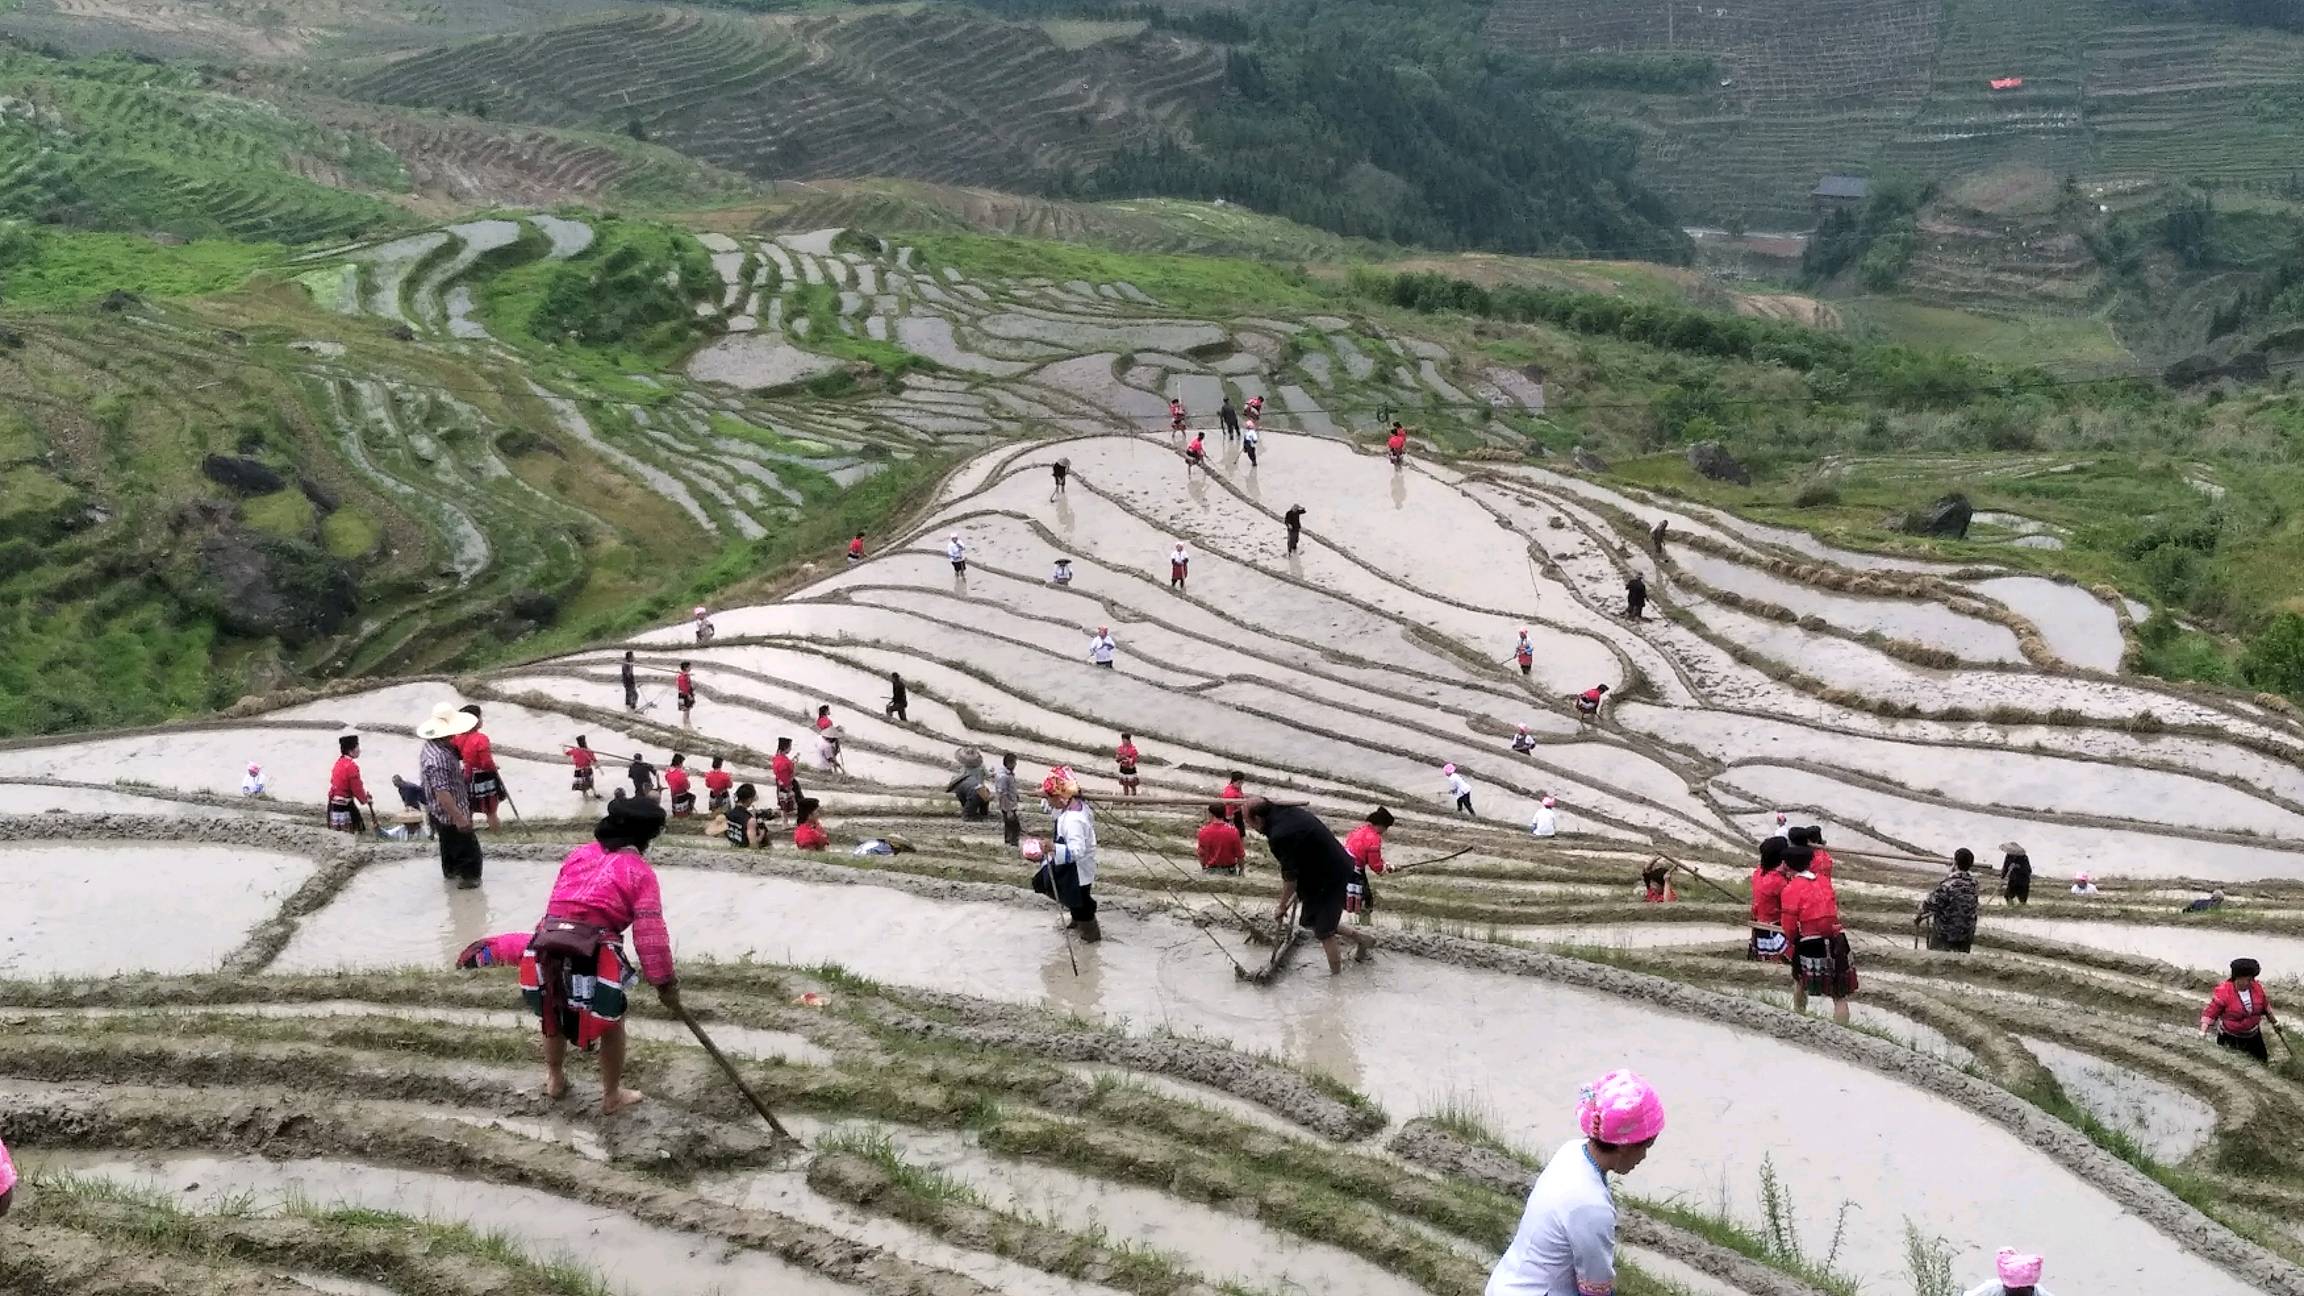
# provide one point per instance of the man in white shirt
(1101, 647)
(958, 553)
(1566, 1242)
(1547, 822)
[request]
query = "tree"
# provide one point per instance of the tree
(2274, 661)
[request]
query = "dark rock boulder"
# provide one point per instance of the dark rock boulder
(240, 473)
(324, 500)
(118, 300)
(1711, 459)
(1947, 517)
(1588, 461)
(535, 607)
(267, 586)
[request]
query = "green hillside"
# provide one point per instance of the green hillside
(2111, 90)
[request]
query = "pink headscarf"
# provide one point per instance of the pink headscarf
(2018, 1270)
(7, 1170)
(1620, 1107)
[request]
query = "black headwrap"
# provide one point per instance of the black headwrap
(630, 822)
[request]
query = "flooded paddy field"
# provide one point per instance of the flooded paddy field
(203, 988)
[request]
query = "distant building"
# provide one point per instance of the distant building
(1837, 193)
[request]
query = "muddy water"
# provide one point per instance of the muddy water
(32, 798)
(1523, 1043)
(1909, 619)
(633, 1257)
(2077, 627)
(2202, 948)
(90, 909)
(2057, 850)
(508, 724)
(1222, 1246)
(2016, 779)
(786, 1192)
(2170, 1123)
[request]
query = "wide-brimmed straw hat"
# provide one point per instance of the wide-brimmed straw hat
(2011, 848)
(447, 722)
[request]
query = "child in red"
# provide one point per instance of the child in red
(717, 784)
(1220, 848)
(479, 768)
(856, 548)
(1125, 754)
(1175, 415)
(1397, 443)
(676, 784)
(685, 687)
(1365, 844)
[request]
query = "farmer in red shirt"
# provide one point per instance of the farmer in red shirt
(1397, 444)
(346, 793)
(1221, 850)
(1196, 454)
(685, 687)
(787, 786)
(480, 768)
(1768, 903)
(810, 834)
(676, 784)
(1365, 844)
(1810, 914)
(1588, 702)
(1175, 415)
(716, 786)
(1127, 756)
(582, 757)
(856, 548)
(1234, 799)
(1813, 838)
(2238, 1010)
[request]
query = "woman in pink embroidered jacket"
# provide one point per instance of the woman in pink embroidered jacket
(575, 974)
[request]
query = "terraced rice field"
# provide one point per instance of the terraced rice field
(986, 1105)
(1811, 87)
(936, 94)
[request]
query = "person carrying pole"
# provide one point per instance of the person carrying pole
(1068, 875)
(1315, 870)
(676, 786)
(643, 776)
(346, 793)
(1566, 1242)
(1767, 943)
(586, 762)
(1821, 961)
(1524, 653)
(576, 976)
(2237, 1011)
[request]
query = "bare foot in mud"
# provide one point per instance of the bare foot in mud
(611, 1104)
(556, 1089)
